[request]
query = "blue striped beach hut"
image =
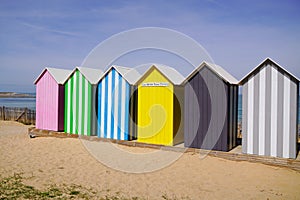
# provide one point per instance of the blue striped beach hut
(117, 103)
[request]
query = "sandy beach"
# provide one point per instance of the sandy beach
(44, 161)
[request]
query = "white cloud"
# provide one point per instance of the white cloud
(50, 30)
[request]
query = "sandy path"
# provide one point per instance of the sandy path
(57, 161)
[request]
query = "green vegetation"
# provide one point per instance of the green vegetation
(14, 188)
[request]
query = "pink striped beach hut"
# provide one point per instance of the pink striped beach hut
(50, 94)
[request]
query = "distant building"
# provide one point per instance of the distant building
(269, 121)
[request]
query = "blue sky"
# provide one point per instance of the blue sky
(238, 35)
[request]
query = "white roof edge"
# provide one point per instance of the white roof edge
(173, 75)
(87, 73)
(159, 68)
(117, 68)
(59, 78)
(260, 65)
(105, 72)
(192, 73)
(257, 66)
(131, 80)
(131, 75)
(218, 70)
(39, 76)
(145, 72)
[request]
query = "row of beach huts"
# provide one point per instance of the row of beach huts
(162, 107)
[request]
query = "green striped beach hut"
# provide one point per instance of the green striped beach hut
(80, 101)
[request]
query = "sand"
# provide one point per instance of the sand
(45, 161)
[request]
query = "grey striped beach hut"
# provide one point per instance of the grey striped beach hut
(210, 108)
(269, 120)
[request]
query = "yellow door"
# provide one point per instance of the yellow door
(155, 110)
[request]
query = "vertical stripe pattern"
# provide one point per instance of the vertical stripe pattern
(250, 116)
(262, 113)
(155, 110)
(286, 116)
(78, 105)
(210, 106)
(244, 118)
(49, 111)
(269, 104)
(274, 111)
(113, 107)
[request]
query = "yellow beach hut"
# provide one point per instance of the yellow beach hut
(160, 106)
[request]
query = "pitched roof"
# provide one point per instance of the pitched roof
(218, 70)
(170, 73)
(129, 74)
(264, 63)
(92, 75)
(59, 75)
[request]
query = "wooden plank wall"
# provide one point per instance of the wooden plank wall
(210, 114)
(23, 115)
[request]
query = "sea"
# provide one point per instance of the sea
(30, 104)
(19, 102)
